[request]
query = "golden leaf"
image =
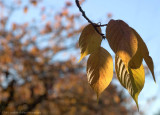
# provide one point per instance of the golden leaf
(99, 70)
(144, 53)
(137, 59)
(121, 37)
(131, 79)
(128, 45)
(89, 40)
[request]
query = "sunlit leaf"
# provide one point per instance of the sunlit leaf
(131, 79)
(99, 70)
(121, 38)
(137, 59)
(143, 52)
(89, 40)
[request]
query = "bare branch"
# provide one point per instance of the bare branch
(93, 24)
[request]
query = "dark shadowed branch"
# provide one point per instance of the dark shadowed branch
(4, 104)
(93, 24)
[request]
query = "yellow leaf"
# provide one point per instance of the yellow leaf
(25, 10)
(144, 53)
(89, 40)
(99, 70)
(128, 45)
(124, 56)
(121, 37)
(134, 62)
(131, 79)
(137, 59)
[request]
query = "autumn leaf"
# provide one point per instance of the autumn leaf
(121, 37)
(89, 40)
(25, 10)
(123, 42)
(14, 26)
(137, 59)
(99, 70)
(131, 79)
(143, 52)
(33, 2)
(128, 45)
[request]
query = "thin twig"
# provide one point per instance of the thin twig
(100, 25)
(93, 24)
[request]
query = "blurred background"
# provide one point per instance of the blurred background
(39, 53)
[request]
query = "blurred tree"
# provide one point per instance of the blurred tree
(36, 75)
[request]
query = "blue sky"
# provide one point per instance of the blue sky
(142, 15)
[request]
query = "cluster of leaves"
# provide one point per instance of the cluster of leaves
(129, 49)
(31, 81)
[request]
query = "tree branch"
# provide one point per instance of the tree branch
(4, 104)
(93, 24)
